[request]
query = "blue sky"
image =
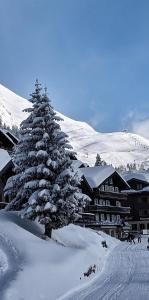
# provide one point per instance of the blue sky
(93, 55)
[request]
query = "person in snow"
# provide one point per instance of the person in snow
(139, 238)
(133, 238)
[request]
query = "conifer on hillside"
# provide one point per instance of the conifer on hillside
(45, 186)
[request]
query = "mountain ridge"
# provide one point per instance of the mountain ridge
(117, 148)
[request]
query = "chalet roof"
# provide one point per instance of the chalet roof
(143, 176)
(95, 176)
(4, 159)
(77, 164)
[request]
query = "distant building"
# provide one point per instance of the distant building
(138, 198)
(77, 164)
(6, 170)
(109, 204)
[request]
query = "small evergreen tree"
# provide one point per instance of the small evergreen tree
(45, 186)
(142, 167)
(120, 169)
(132, 167)
(99, 161)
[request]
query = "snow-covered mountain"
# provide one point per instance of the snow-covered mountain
(116, 147)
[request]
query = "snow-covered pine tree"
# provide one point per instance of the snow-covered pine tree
(45, 186)
(99, 161)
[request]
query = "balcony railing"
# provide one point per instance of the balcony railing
(112, 195)
(108, 209)
(102, 223)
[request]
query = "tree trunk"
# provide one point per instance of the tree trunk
(48, 230)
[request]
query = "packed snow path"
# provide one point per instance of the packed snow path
(124, 277)
(10, 263)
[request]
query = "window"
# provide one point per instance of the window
(96, 201)
(97, 217)
(118, 203)
(103, 202)
(111, 188)
(118, 217)
(113, 218)
(110, 181)
(102, 217)
(107, 202)
(102, 188)
(139, 186)
(108, 217)
(106, 188)
(116, 189)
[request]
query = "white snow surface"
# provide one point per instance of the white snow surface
(11, 106)
(96, 175)
(4, 158)
(125, 276)
(46, 270)
(144, 175)
(115, 148)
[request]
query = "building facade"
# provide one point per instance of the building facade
(138, 199)
(108, 203)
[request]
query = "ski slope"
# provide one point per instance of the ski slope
(115, 148)
(124, 277)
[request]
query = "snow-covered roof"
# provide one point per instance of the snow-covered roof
(4, 159)
(76, 164)
(144, 176)
(96, 175)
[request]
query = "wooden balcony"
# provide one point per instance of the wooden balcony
(99, 223)
(112, 195)
(108, 209)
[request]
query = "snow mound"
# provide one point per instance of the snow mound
(76, 237)
(55, 266)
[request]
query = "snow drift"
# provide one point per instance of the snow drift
(48, 269)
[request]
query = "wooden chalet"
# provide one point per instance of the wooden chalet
(138, 198)
(104, 185)
(6, 170)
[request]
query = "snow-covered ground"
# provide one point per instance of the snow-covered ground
(115, 148)
(32, 268)
(125, 276)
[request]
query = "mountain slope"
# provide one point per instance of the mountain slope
(116, 148)
(11, 106)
